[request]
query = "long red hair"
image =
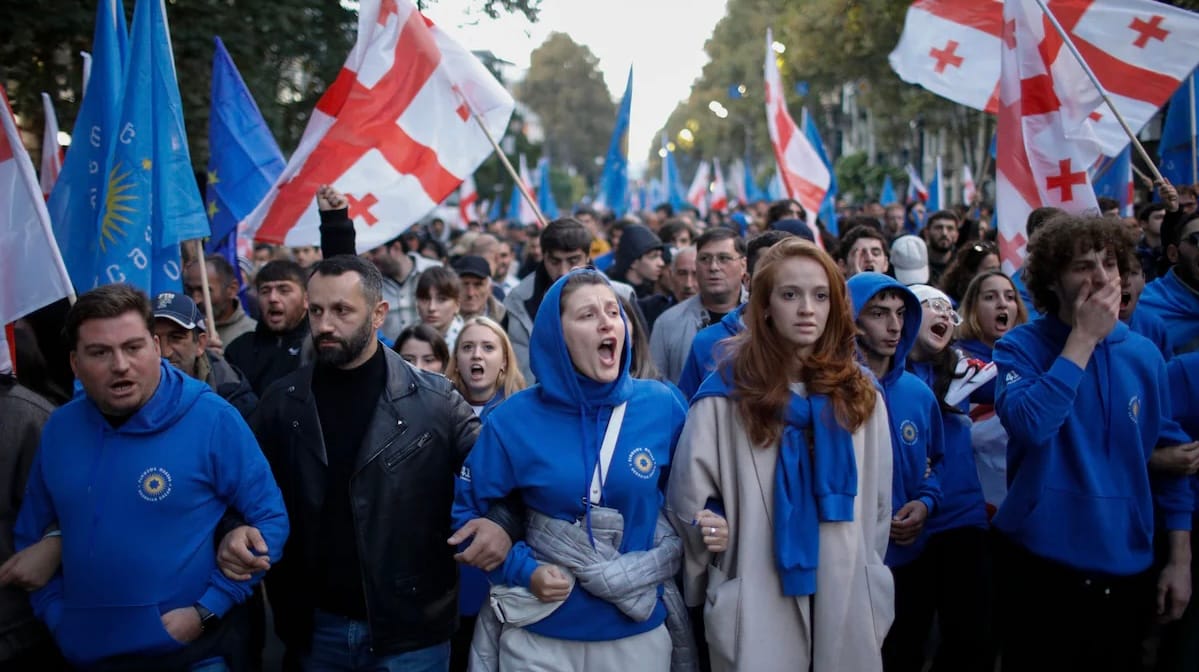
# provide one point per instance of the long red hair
(764, 364)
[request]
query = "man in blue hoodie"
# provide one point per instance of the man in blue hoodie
(1085, 402)
(888, 318)
(136, 473)
(1174, 297)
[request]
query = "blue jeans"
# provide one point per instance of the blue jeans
(343, 645)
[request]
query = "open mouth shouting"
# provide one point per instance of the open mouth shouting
(940, 329)
(607, 352)
(1125, 299)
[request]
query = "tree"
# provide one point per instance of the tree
(565, 88)
(288, 51)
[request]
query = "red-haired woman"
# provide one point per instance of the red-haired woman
(791, 437)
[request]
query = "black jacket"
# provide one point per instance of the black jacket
(401, 494)
(265, 356)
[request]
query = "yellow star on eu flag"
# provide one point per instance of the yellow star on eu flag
(146, 164)
(212, 177)
(212, 209)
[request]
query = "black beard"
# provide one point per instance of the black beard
(346, 350)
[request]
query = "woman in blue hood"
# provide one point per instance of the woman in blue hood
(586, 443)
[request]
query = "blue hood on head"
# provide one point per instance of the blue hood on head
(550, 361)
(863, 287)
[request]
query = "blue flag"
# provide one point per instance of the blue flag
(1112, 178)
(153, 202)
(78, 194)
(934, 191)
(545, 195)
(828, 207)
(243, 158)
(1176, 148)
(497, 209)
(887, 197)
(614, 183)
(676, 195)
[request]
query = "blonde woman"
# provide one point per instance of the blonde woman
(483, 367)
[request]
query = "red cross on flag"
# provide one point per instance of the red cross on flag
(1040, 163)
(802, 173)
(1141, 51)
(468, 197)
(392, 132)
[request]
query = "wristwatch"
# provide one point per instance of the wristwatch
(208, 620)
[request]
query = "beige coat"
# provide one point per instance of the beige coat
(750, 624)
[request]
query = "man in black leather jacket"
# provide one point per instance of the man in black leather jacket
(365, 448)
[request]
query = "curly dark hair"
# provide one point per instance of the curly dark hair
(964, 268)
(1055, 244)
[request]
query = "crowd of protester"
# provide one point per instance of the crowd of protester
(739, 441)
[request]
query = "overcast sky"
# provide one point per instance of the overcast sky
(662, 39)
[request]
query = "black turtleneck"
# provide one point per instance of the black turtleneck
(345, 403)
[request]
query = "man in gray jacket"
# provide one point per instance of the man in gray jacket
(720, 265)
(565, 245)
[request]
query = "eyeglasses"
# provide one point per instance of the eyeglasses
(720, 259)
(943, 307)
(988, 248)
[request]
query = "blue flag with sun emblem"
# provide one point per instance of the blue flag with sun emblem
(78, 194)
(153, 202)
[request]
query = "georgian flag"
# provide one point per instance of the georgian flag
(33, 274)
(1043, 158)
(697, 195)
(802, 173)
(1140, 50)
(394, 132)
(720, 194)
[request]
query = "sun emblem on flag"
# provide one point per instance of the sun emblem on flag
(117, 207)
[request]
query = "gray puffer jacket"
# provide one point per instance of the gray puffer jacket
(629, 580)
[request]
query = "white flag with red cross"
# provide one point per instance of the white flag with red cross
(394, 132)
(1043, 156)
(802, 172)
(51, 149)
(720, 193)
(1140, 50)
(697, 193)
(33, 274)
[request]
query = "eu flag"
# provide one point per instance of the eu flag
(243, 160)
(828, 207)
(78, 195)
(615, 180)
(153, 202)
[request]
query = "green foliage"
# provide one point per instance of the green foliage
(566, 89)
(855, 177)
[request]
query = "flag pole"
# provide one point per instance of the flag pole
(504, 159)
(210, 321)
(1157, 176)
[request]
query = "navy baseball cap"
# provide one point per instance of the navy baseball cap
(179, 309)
(472, 265)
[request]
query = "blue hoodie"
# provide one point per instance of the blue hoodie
(1148, 324)
(138, 507)
(1080, 492)
(962, 501)
(1184, 388)
(544, 443)
(1177, 306)
(915, 417)
(701, 361)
